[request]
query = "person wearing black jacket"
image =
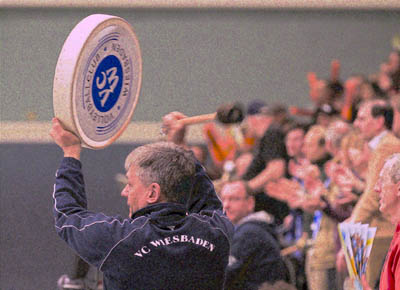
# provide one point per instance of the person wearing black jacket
(176, 236)
(255, 252)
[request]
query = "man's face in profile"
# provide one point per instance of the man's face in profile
(134, 191)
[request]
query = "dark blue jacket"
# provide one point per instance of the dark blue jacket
(163, 246)
(255, 254)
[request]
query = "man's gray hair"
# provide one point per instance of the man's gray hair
(392, 163)
(167, 164)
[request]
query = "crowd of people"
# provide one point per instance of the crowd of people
(304, 171)
(285, 178)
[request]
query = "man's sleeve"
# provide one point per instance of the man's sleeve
(91, 235)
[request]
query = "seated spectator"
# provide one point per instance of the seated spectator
(255, 251)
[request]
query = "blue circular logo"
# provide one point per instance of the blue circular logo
(107, 83)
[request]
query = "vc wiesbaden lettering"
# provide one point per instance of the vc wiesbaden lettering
(173, 240)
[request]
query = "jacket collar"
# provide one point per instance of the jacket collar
(260, 216)
(164, 214)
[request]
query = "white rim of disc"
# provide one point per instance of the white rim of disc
(68, 78)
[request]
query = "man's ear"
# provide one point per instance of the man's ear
(252, 203)
(381, 120)
(154, 193)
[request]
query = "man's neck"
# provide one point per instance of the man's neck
(395, 218)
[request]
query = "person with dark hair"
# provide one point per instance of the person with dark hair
(294, 142)
(268, 163)
(385, 111)
(176, 236)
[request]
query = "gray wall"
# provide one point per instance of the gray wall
(193, 60)
(32, 256)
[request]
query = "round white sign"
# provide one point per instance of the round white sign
(97, 79)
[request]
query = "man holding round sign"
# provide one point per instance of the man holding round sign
(176, 236)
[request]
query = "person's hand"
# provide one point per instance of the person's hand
(295, 201)
(335, 70)
(364, 283)
(330, 168)
(282, 189)
(344, 178)
(350, 87)
(299, 169)
(313, 185)
(312, 203)
(172, 129)
(288, 221)
(273, 190)
(359, 157)
(68, 142)
(345, 198)
(341, 262)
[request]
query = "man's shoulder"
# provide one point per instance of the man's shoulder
(259, 216)
(389, 145)
(257, 223)
(388, 140)
(213, 223)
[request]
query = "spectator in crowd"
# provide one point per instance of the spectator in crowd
(374, 121)
(251, 123)
(285, 189)
(294, 142)
(268, 163)
(314, 148)
(255, 251)
(354, 157)
(388, 189)
(321, 257)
